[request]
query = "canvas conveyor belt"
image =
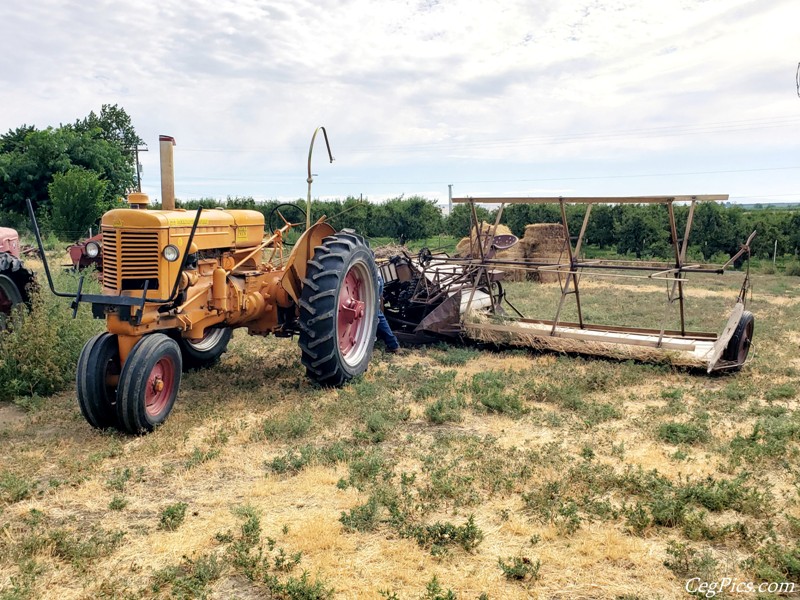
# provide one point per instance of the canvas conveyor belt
(692, 349)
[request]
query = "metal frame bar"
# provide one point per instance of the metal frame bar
(595, 200)
(572, 275)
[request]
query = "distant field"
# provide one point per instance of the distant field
(444, 472)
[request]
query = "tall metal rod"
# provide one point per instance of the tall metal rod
(487, 243)
(565, 287)
(37, 234)
(484, 248)
(677, 284)
(489, 250)
(572, 276)
(687, 230)
(310, 178)
(474, 218)
(583, 230)
(680, 253)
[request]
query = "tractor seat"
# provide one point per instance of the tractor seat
(504, 242)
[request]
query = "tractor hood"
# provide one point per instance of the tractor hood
(216, 228)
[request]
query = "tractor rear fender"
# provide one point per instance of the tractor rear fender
(296, 266)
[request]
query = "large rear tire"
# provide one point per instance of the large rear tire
(96, 380)
(10, 295)
(205, 352)
(338, 309)
(149, 383)
(16, 283)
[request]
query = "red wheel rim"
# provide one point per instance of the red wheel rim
(350, 317)
(159, 386)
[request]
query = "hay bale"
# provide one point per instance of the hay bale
(463, 248)
(545, 242)
(390, 250)
(514, 253)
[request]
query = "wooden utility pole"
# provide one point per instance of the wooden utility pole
(136, 151)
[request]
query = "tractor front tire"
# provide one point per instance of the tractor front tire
(339, 309)
(148, 384)
(96, 380)
(205, 352)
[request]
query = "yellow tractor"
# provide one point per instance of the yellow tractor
(176, 283)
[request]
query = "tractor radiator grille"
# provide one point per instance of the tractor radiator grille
(110, 266)
(130, 258)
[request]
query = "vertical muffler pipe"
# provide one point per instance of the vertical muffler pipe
(166, 143)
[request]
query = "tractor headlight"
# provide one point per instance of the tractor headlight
(92, 249)
(171, 253)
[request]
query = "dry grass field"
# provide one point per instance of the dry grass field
(445, 472)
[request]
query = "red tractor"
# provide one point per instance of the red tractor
(87, 253)
(15, 279)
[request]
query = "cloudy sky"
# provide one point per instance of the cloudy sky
(544, 97)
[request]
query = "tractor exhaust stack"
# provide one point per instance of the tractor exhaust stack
(166, 143)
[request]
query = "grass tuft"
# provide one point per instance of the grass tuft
(172, 516)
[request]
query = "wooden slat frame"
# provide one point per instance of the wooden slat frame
(596, 200)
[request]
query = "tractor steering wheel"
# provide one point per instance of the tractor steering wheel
(291, 213)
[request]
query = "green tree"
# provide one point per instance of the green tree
(113, 124)
(600, 230)
(355, 214)
(408, 219)
(78, 201)
(641, 230)
(517, 216)
(458, 222)
(15, 138)
(713, 229)
(30, 158)
(769, 226)
(29, 165)
(793, 233)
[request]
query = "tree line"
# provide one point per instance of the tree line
(75, 172)
(72, 173)
(639, 230)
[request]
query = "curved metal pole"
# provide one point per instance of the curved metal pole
(310, 177)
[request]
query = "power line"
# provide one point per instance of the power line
(562, 138)
(468, 181)
(569, 138)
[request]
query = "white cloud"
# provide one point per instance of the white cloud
(415, 89)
